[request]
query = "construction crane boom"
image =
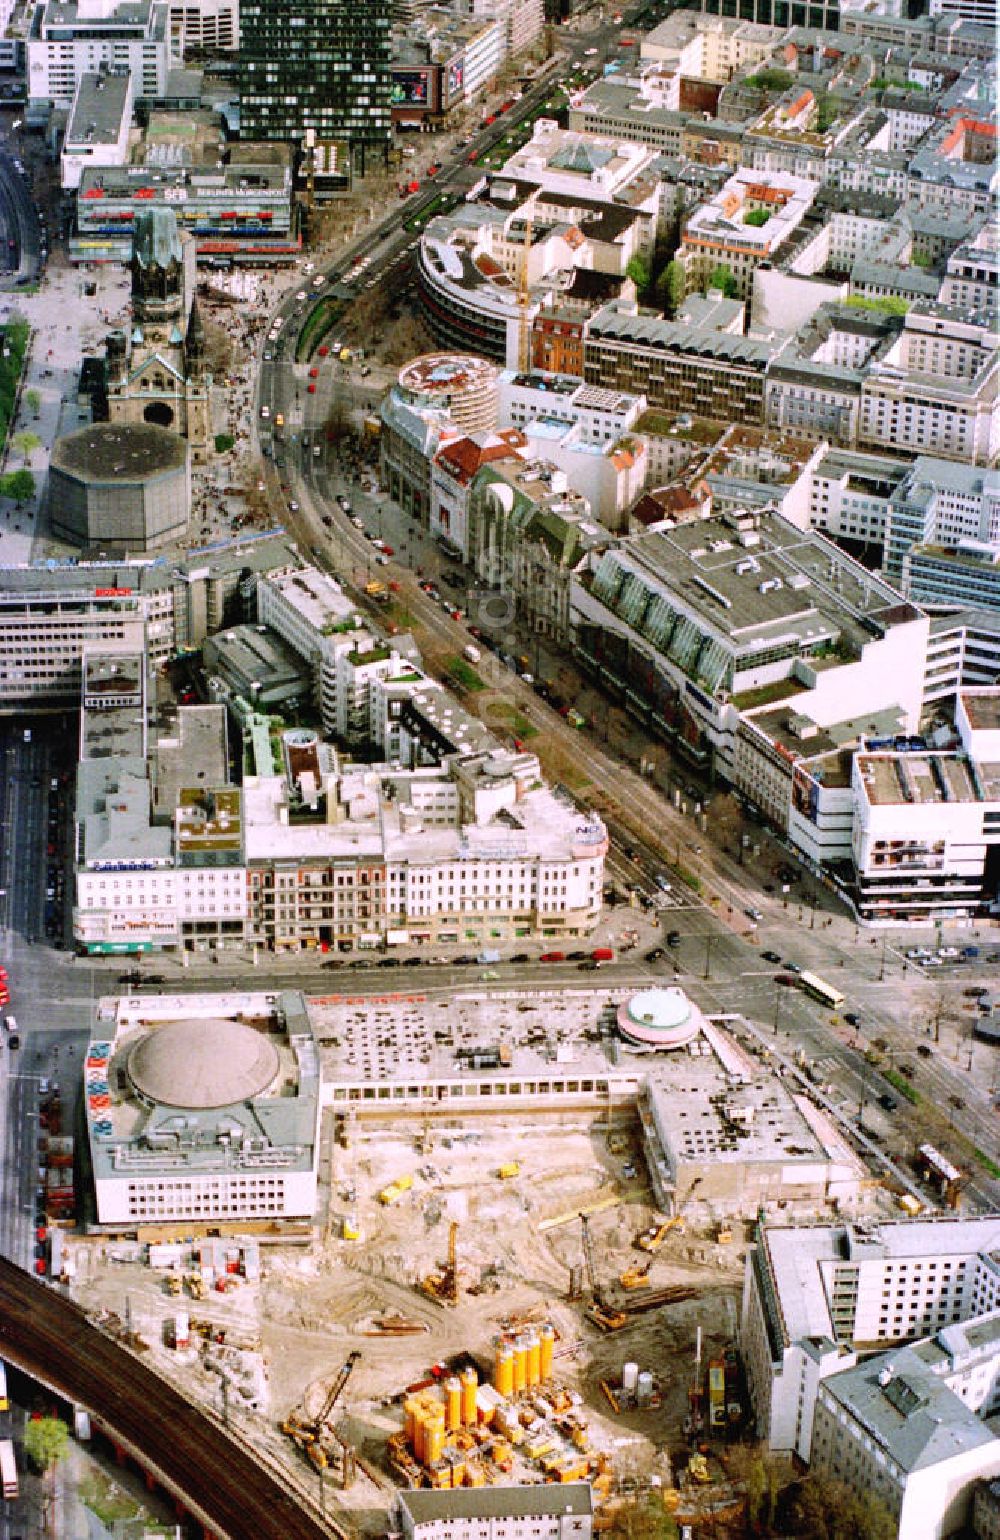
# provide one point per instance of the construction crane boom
(337, 1388)
(588, 1257)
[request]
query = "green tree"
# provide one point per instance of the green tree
(721, 277)
(670, 287)
(20, 485)
(34, 399)
(45, 1443)
(638, 270)
(26, 443)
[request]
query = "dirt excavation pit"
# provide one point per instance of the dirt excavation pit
(518, 1247)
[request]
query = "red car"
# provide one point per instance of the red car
(311, 389)
(553, 957)
(314, 373)
(322, 350)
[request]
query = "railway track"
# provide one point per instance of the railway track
(228, 1486)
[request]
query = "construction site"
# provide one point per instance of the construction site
(490, 1294)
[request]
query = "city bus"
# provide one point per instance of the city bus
(4, 1402)
(8, 1469)
(821, 990)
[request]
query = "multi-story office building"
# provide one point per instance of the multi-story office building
(49, 616)
(204, 26)
(241, 212)
(98, 129)
(967, 573)
(686, 369)
(322, 66)
(813, 1295)
(909, 1428)
(66, 41)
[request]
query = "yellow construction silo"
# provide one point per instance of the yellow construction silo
(452, 1403)
(548, 1349)
(534, 1359)
(520, 1364)
(470, 1384)
(503, 1372)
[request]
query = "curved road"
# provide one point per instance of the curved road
(222, 1482)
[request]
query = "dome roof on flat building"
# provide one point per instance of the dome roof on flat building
(201, 1063)
(659, 1018)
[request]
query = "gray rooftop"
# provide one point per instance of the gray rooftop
(916, 1419)
(98, 109)
(498, 1502)
(120, 451)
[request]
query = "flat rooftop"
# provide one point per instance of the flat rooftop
(101, 100)
(983, 711)
(916, 778)
(191, 744)
(319, 599)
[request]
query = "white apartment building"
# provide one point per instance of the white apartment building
(972, 278)
(708, 47)
(561, 1512)
(935, 390)
(813, 1294)
(908, 1427)
(70, 38)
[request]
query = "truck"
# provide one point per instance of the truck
(377, 591)
(510, 1168)
(471, 653)
(487, 957)
(395, 1190)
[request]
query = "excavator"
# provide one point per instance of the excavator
(652, 1239)
(603, 1315)
(311, 1434)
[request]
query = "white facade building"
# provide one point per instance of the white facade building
(67, 41)
(194, 1114)
(811, 1293)
(561, 1512)
(908, 1427)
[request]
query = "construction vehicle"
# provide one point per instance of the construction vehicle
(635, 1277)
(603, 1315)
(442, 1285)
(509, 1169)
(313, 1434)
(395, 1190)
(698, 1471)
(173, 1284)
(611, 1397)
(652, 1239)
(196, 1285)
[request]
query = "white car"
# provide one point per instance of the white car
(265, 411)
(302, 296)
(319, 280)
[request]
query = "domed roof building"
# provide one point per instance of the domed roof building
(660, 1018)
(204, 1109)
(209, 1062)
